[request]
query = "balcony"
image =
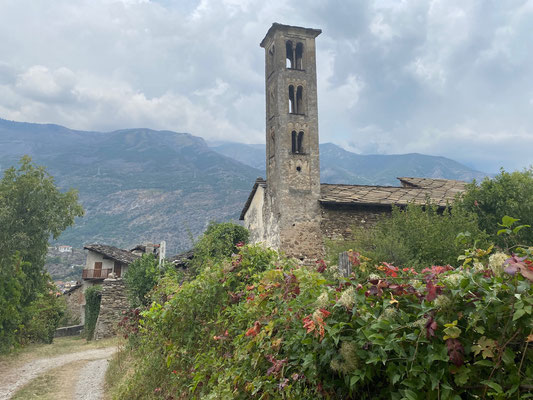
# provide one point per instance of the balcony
(94, 274)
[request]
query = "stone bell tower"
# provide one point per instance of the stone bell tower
(292, 156)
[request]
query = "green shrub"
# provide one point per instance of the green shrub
(217, 242)
(141, 277)
(44, 315)
(93, 297)
(505, 194)
(416, 236)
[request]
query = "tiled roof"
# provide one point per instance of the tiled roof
(414, 190)
(123, 256)
(182, 260)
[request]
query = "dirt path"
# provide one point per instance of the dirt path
(91, 377)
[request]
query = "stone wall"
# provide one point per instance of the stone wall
(75, 301)
(114, 302)
(338, 220)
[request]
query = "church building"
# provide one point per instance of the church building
(291, 210)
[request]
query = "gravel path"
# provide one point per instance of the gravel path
(18, 377)
(92, 386)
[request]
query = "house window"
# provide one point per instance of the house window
(98, 265)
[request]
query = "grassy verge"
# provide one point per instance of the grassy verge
(120, 369)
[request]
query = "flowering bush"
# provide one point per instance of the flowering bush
(259, 326)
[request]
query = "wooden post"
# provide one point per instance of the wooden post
(345, 266)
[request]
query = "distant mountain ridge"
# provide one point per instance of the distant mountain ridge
(341, 166)
(144, 185)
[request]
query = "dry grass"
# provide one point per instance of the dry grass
(56, 384)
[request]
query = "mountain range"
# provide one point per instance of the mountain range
(139, 185)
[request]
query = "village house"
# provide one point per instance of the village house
(291, 210)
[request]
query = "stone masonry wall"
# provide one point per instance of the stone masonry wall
(75, 300)
(114, 302)
(339, 220)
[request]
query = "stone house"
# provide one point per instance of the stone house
(102, 260)
(291, 210)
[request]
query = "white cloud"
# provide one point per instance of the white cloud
(441, 77)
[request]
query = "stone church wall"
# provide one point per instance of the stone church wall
(114, 302)
(338, 221)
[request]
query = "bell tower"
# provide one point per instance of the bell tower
(292, 155)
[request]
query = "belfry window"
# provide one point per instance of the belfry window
(297, 142)
(294, 55)
(299, 52)
(292, 100)
(296, 100)
(299, 100)
(290, 55)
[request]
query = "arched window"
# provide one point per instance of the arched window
(294, 142)
(300, 144)
(299, 100)
(292, 100)
(299, 52)
(289, 63)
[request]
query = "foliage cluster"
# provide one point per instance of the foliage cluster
(505, 194)
(93, 297)
(44, 314)
(142, 276)
(217, 242)
(417, 236)
(259, 326)
(32, 210)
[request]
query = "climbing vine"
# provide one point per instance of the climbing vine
(93, 296)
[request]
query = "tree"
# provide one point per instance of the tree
(506, 194)
(218, 241)
(141, 277)
(32, 209)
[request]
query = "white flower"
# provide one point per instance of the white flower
(496, 261)
(373, 277)
(347, 298)
(442, 301)
(478, 267)
(323, 300)
(452, 280)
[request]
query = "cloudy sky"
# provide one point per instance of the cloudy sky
(440, 77)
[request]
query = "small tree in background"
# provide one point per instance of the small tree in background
(505, 194)
(218, 241)
(141, 277)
